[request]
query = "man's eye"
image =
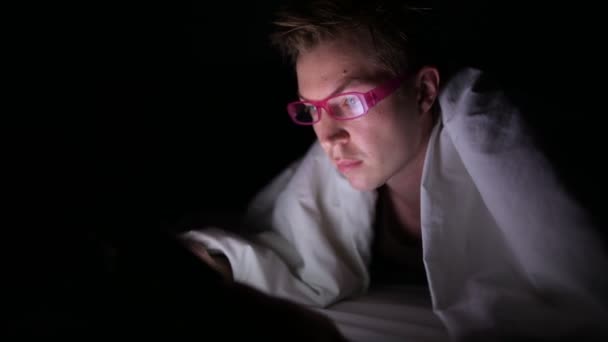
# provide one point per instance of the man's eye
(350, 101)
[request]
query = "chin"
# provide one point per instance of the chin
(364, 184)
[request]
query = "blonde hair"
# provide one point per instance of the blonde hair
(400, 34)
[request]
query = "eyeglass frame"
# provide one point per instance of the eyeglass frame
(368, 99)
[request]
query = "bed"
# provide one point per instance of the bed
(388, 313)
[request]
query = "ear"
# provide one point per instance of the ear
(427, 88)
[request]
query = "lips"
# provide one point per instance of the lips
(345, 165)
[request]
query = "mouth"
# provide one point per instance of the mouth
(346, 165)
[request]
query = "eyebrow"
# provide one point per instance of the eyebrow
(345, 83)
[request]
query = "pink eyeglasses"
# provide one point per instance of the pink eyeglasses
(345, 106)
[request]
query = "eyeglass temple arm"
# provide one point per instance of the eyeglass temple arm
(383, 91)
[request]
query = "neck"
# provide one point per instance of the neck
(405, 184)
(403, 190)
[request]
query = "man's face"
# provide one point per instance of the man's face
(371, 149)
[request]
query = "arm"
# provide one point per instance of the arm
(217, 262)
(306, 236)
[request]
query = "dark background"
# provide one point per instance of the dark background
(134, 116)
(189, 108)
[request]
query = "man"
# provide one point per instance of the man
(415, 177)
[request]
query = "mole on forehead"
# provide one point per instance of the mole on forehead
(351, 75)
(345, 72)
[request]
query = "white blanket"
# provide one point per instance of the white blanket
(387, 314)
(506, 250)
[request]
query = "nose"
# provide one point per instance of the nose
(330, 131)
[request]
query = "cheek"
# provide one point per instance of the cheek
(387, 127)
(386, 135)
(374, 138)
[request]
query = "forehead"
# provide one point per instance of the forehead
(327, 65)
(343, 55)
